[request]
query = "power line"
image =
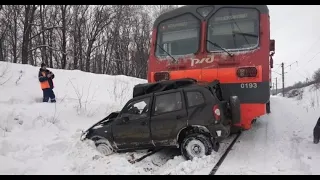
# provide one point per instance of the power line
(299, 67)
(302, 54)
(281, 74)
(301, 74)
(301, 57)
(292, 64)
(283, 78)
(279, 66)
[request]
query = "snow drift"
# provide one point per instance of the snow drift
(44, 138)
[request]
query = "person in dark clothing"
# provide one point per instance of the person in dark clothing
(316, 132)
(46, 83)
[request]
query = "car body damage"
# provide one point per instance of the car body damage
(165, 114)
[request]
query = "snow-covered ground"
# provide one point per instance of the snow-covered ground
(280, 143)
(43, 138)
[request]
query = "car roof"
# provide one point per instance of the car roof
(161, 86)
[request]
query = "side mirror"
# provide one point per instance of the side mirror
(271, 59)
(271, 62)
(272, 45)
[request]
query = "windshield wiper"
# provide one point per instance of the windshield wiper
(244, 34)
(215, 44)
(166, 52)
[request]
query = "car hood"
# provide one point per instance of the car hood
(104, 122)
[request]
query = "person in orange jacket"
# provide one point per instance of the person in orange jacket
(46, 83)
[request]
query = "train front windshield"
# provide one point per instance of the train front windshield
(178, 36)
(233, 29)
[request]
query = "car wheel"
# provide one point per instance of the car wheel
(104, 147)
(195, 145)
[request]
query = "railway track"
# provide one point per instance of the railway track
(145, 156)
(170, 154)
(220, 161)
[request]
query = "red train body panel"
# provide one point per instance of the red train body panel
(231, 43)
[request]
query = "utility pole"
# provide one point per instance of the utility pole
(273, 86)
(282, 66)
(276, 85)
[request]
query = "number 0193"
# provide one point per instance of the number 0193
(248, 85)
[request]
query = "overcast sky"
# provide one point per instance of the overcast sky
(296, 29)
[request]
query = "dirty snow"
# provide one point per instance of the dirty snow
(44, 138)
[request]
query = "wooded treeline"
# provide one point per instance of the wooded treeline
(106, 39)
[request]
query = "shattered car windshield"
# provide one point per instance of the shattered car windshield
(137, 109)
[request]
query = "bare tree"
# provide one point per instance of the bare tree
(29, 11)
(3, 32)
(11, 14)
(99, 18)
(64, 20)
(157, 10)
(43, 39)
(108, 39)
(316, 78)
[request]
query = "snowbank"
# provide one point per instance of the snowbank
(307, 97)
(43, 138)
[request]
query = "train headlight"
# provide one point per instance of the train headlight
(247, 72)
(160, 76)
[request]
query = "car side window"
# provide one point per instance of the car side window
(167, 103)
(194, 98)
(137, 109)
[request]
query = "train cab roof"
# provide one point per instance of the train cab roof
(194, 9)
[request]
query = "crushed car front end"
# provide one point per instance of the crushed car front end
(98, 129)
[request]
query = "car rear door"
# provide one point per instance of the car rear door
(169, 116)
(199, 113)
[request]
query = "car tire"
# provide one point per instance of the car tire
(195, 145)
(104, 147)
(235, 109)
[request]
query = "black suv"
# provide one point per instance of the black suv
(180, 113)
